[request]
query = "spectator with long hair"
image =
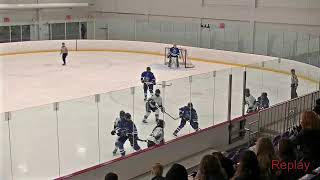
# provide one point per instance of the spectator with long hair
(265, 154)
(307, 140)
(211, 169)
(177, 172)
(248, 168)
(226, 163)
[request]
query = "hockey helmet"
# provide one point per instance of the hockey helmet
(128, 116)
(190, 105)
(122, 114)
(157, 91)
(148, 69)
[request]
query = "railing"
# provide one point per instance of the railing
(72, 135)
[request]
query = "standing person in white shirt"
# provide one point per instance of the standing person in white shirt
(64, 53)
(250, 101)
(294, 84)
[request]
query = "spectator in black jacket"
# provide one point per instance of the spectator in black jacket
(307, 140)
(157, 171)
(177, 172)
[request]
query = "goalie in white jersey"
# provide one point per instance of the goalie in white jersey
(154, 103)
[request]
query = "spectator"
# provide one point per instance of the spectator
(210, 169)
(226, 163)
(265, 154)
(316, 109)
(83, 31)
(157, 171)
(111, 176)
(286, 153)
(248, 168)
(307, 139)
(294, 84)
(177, 172)
(250, 101)
(263, 101)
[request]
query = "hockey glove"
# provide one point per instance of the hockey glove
(113, 132)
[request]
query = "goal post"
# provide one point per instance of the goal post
(183, 58)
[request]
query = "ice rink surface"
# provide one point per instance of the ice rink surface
(84, 126)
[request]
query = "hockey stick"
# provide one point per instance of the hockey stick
(141, 140)
(169, 84)
(170, 116)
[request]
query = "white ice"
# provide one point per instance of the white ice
(46, 144)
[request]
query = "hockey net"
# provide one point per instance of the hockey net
(183, 59)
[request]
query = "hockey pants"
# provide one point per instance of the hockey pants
(170, 60)
(133, 143)
(148, 111)
(146, 87)
(193, 124)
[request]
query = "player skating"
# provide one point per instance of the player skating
(154, 103)
(157, 135)
(64, 53)
(148, 80)
(174, 52)
(116, 129)
(250, 101)
(127, 130)
(187, 113)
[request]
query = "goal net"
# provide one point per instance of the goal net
(183, 58)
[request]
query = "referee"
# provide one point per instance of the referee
(64, 52)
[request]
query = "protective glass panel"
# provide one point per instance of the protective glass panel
(178, 33)
(73, 30)
(26, 33)
(275, 44)
(218, 38)
(176, 95)
(205, 38)
(237, 92)
(5, 159)
(302, 48)
(90, 29)
(78, 134)
(101, 29)
(202, 97)
(221, 86)
(58, 31)
(314, 51)
(34, 143)
(15, 33)
(167, 29)
(121, 29)
(110, 106)
(244, 41)
(148, 30)
(231, 39)
(191, 34)
(4, 34)
(260, 42)
(290, 45)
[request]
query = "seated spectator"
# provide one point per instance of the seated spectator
(157, 171)
(316, 109)
(111, 176)
(211, 169)
(265, 154)
(307, 140)
(263, 101)
(248, 168)
(177, 172)
(226, 163)
(286, 153)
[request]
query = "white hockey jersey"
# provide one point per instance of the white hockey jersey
(156, 99)
(157, 135)
(251, 102)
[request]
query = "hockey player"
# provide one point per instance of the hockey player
(127, 130)
(148, 80)
(187, 113)
(153, 104)
(174, 52)
(157, 135)
(263, 101)
(115, 129)
(250, 101)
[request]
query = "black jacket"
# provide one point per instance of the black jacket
(158, 178)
